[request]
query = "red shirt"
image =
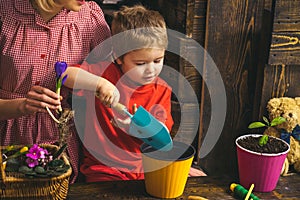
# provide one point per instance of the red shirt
(113, 153)
(29, 48)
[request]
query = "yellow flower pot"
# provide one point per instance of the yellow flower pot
(166, 172)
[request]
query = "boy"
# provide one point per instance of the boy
(111, 153)
(139, 43)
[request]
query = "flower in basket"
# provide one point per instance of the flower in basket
(34, 160)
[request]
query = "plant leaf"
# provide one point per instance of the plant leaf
(263, 140)
(60, 151)
(278, 120)
(266, 120)
(256, 125)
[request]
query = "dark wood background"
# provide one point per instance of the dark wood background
(230, 31)
(254, 44)
(281, 72)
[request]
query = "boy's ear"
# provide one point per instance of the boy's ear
(119, 62)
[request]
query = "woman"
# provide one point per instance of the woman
(35, 34)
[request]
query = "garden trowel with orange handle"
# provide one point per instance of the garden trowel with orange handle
(147, 128)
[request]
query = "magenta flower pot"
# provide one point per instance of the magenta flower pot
(261, 169)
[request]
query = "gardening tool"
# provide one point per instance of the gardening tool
(147, 128)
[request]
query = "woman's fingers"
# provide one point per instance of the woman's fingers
(40, 97)
(40, 104)
(44, 92)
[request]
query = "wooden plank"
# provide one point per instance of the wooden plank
(285, 47)
(286, 16)
(190, 75)
(232, 34)
(186, 121)
(194, 28)
(280, 81)
(199, 21)
(190, 17)
(283, 67)
(268, 5)
(174, 13)
(263, 51)
(209, 187)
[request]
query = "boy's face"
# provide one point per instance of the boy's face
(142, 66)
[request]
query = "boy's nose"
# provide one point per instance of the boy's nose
(150, 67)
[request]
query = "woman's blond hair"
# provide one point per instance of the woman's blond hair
(139, 27)
(46, 5)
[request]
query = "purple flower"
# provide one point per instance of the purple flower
(60, 68)
(64, 79)
(31, 162)
(43, 153)
(36, 152)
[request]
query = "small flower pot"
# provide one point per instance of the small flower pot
(166, 172)
(261, 169)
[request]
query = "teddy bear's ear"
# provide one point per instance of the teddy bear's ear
(273, 103)
(297, 99)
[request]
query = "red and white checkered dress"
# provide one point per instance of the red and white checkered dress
(29, 48)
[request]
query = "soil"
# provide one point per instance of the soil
(273, 145)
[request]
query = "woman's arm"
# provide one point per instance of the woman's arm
(36, 100)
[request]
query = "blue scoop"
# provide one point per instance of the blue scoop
(147, 128)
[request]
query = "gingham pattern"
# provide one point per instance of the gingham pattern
(29, 49)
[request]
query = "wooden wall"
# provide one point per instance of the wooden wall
(282, 70)
(231, 32)
(233, 35)
(255, 45)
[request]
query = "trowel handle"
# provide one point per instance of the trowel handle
(120, 108)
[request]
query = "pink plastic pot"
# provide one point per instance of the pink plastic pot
(261, 169)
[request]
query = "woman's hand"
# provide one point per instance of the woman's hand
(38, 98)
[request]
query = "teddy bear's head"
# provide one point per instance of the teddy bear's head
(286, 107)
(289, 108)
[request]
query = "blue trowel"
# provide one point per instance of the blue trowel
(147, 128)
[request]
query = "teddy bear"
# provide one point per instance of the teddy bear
(289, 108)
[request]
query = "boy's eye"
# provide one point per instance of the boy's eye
(157, 61)
(141, 63)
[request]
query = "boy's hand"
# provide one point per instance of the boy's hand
(123, 123)
(107, 92)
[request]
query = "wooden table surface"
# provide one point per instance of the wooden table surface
(288, 188)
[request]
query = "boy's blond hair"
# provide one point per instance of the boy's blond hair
(138, 28)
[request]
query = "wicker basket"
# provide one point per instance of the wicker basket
(17, 186)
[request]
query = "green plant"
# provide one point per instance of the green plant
(266, 123)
